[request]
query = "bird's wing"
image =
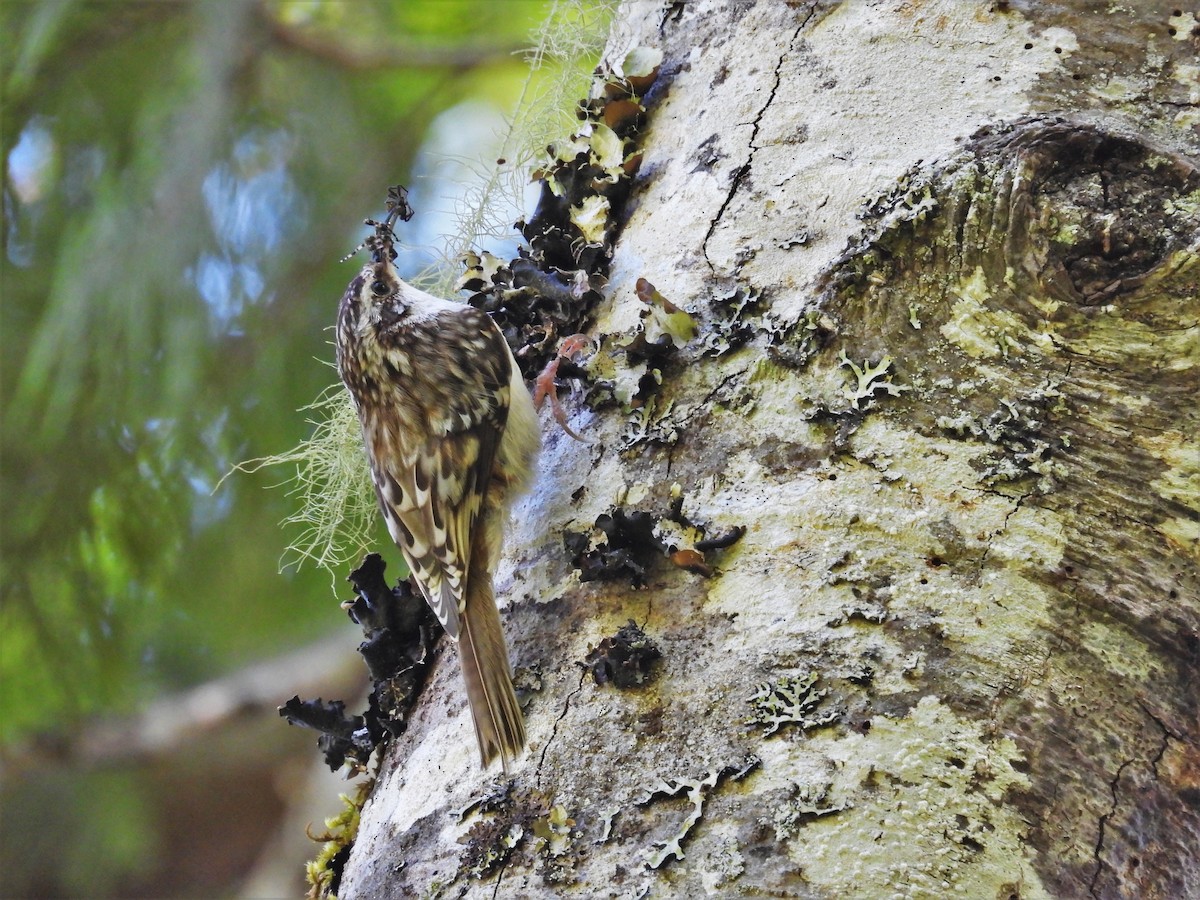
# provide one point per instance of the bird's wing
(432, 493)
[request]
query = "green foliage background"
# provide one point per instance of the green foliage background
(181, 179)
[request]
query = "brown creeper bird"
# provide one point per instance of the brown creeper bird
(451, 437)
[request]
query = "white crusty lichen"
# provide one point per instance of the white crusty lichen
(875, 812)
(807, 802)
(927, 815)
(722, 865)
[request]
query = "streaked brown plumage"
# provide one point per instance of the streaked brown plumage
(451, 436)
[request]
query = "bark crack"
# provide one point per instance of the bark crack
(733, 188)
(554, 730)
(1099, 849)
(703, 408)
(1167, 735)
(745, 167)
(987, 551)
(499, 878)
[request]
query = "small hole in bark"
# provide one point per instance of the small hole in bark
(924, 581)
(1029, 46)
(1070, 570)
(1172, 594)
(1058, 49)
(1172, 32)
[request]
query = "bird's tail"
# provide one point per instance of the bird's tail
(499, 725)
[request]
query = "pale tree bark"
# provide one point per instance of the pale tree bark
(943, 257)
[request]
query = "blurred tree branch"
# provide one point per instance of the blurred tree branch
(169, 722)
(339, 50)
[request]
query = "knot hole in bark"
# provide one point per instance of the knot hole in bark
(1103, 210)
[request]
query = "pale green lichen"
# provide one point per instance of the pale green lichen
(623, 381)
(676, 325)
(696, 791)
(1180, 484)
(640, 62)
(1121, 651)
(552, 832)
(1183, 532)
(792, 700)
(608, 152)
(868, 379)
(486, 858)
(591, 218)
(519, 827)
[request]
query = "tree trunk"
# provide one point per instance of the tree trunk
(943, 258)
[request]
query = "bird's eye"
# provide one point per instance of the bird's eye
(380, 288)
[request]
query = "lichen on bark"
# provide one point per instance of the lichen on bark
(990, 569)
(1057, 263)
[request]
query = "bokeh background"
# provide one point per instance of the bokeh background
(180, 182)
